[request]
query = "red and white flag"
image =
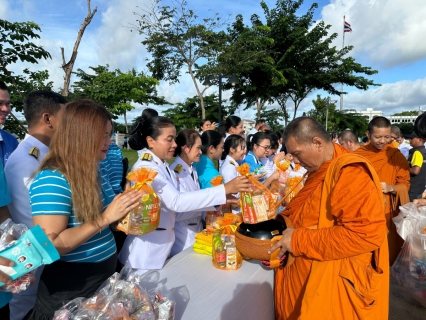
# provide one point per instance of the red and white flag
(347, 27)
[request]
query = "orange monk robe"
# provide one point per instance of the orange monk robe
(356, 208)
(394, 144)
(392, 168)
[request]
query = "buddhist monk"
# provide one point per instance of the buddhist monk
(394, 173)
(340, 270)
(348, 140)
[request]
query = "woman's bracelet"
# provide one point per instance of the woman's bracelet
(100, 229)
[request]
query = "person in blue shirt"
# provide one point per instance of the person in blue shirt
(72, 200)
(258, 146)
(5, 297)
(212, 149)
(8, 143)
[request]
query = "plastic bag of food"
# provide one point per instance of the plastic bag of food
(32, 250)
(225, 255)
(164, 306)
(410, 220)
(409, 269)
(146, 217)
(212, 216)
(68, 311)
(258, 205)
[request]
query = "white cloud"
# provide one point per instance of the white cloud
(116, 44)
(390, 32)
(390, 97)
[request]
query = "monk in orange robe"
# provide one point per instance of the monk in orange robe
(340, 270)
(394, 173)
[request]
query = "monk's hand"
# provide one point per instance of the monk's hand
(230, 199)
(420, 202)
(284, 243)
(386, 188)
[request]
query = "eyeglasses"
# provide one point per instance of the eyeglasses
(266, 148)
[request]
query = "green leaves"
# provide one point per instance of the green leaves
(116, 90)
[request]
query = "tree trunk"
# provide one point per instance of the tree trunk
(127, 128)
(68, 66)
(259, 106)
(199, 93)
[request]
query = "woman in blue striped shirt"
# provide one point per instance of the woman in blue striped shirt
(69, 198)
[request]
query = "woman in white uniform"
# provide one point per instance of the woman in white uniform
(157, 142)
(234, 150)
(187, 224)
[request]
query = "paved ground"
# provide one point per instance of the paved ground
(402, 306)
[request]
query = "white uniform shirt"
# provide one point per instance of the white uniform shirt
(18, 170)
(187, 224)
(252, 131)
(268, 165)
(228, 171)
(150, 251)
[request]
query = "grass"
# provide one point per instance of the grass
(132, 155)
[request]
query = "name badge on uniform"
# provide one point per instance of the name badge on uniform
(146, 156)
(35, 152)
(178, 168)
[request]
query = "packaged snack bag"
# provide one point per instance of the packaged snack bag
(146, 217)
(32, 250)
(255, 206)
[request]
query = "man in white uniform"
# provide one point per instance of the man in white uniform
(42, 110)
(258, 124)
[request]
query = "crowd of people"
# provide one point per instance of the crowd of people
(68, 177)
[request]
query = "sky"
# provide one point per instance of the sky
(388, 36)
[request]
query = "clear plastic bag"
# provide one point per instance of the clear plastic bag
(164, 306)
(411, 220)
(409, 269)
(28, 249)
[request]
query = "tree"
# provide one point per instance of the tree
(187, 114)
(337, 120)
(407, 113)
(302, 52)
(248, 55)
(16, 45)
(177, 38)
(272, 117)
(23, 85)
(405, 127)
(117, 90)
(68, 66)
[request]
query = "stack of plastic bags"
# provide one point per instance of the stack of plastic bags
(121, 298)
(409, 268)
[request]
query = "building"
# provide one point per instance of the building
(369, 114)
(402, 119)
(248, 125)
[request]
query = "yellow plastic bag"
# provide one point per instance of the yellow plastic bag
(146, 217)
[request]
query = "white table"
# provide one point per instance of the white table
(203, 292)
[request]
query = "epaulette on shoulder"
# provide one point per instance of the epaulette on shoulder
(146, 156)
(35, 152)
(178, 168)
(232, 162)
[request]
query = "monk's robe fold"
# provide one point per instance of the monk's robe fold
(355, 208)
(392, 168)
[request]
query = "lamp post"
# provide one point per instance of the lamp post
(231, 79)
(326, 115)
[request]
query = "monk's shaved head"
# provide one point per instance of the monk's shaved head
(304, 129)
(378, 122)
(396, 131)
(348, 135)
(349, 140)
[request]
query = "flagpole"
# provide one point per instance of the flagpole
(341, 85)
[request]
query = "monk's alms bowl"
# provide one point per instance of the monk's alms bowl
(254, 240)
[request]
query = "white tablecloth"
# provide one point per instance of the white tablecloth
(203, 292)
